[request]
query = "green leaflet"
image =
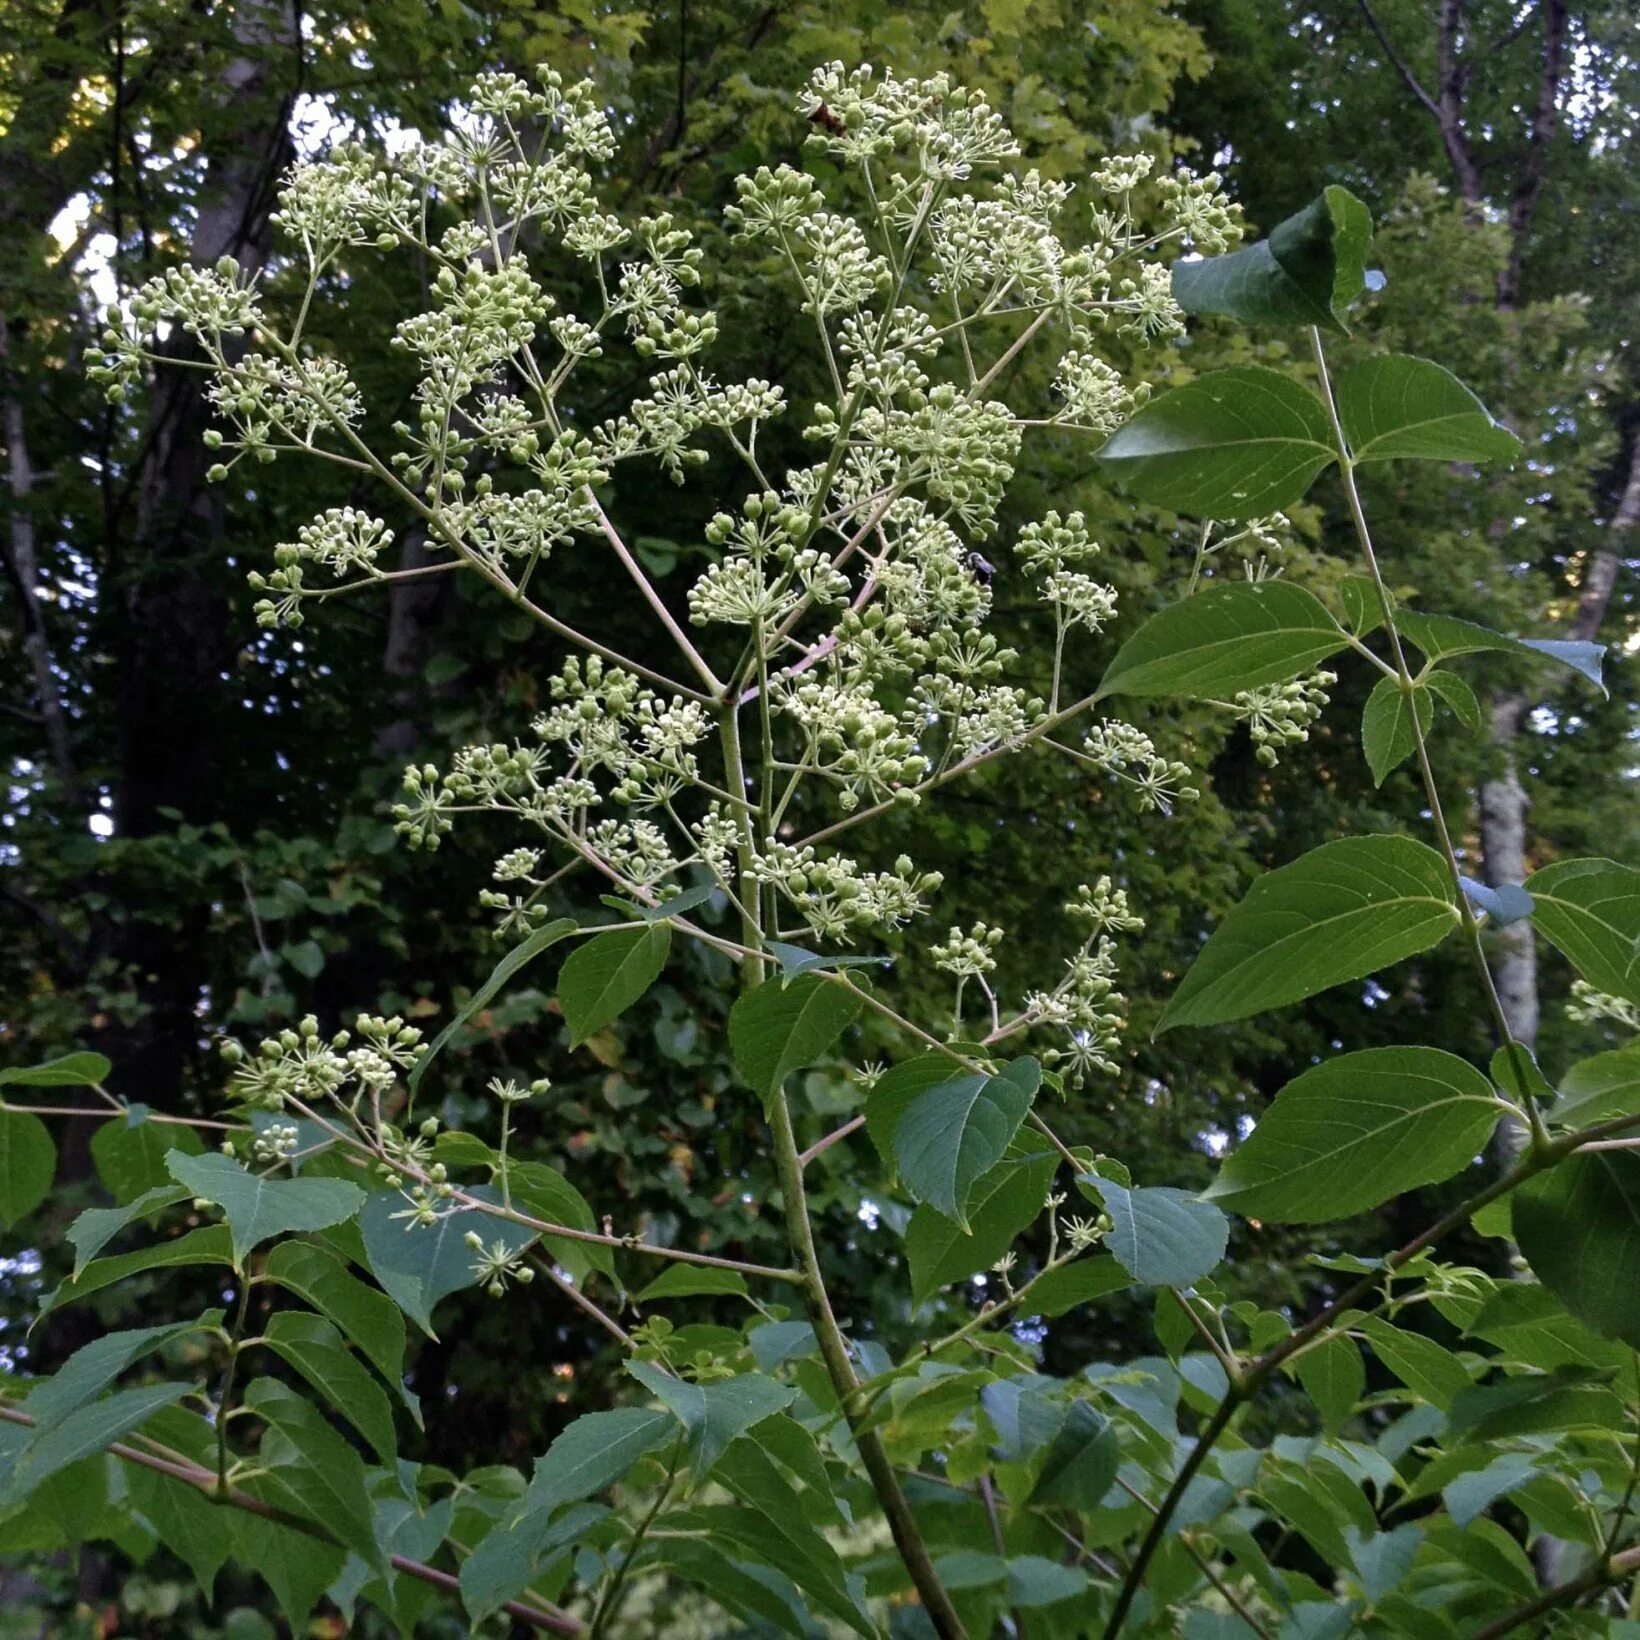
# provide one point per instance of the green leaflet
(507, 1559)
(515, 960)
(1223, 640)
(953, 1132)
(780, 1028)
(604, 977)
(1597, 1089)
(713, 1414)
(1078, 1283)
(1080, 1463)
(1443, 636)
(749, 1590)
(1578, 1226)
(1432, 1374)
(189, 1524)
(1003, 1202)
(304, 1466)
(1530, 1325)
(1341, 912)
(94, 1366)
(97, 1226)
(69, 1070)
(1310, 268)
(1334, 1377)
(593, 1454)
(1356, 1131)
(88, 1429)
(1232, 444)
(692, 1281)
(1162, 1237)
(1397, 407)
(259, 1208)
(130, 1152)
(1589, 910)
(318, 1352)
(295, 1565)
(418, 1265)
(28, 1161)
(369, 1318)
(1387, 724)
(1458, 696)
(544, 1193)
(208, 1245)
(893, 1094)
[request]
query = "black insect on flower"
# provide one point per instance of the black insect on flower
(981, 568)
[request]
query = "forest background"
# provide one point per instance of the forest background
(195, 837)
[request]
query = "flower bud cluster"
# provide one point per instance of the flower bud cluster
(301, 1063)
(1119, 749)
(1280, 714)
(854, 584)
(969, 955)
(836, 897)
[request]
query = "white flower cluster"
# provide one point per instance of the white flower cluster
(1055, 549)
(1280, 714)
(302, 1064)
(968, 955)
(1119, 749)
(852, 588)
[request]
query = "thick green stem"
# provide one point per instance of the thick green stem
(908, 1538)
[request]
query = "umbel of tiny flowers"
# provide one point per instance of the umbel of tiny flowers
(851, 585)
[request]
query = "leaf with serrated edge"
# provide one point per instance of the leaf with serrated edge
(1395, 407)
(1387, 725)
(607, 975)
(1339, 913)
(1229, 638)
(952, 1133)
(88, 1429)
(1443, 636)
(1356, 1131)
(1162, 1237)
(1004, 1202)
(1232, 444)
(1597, 1089)
(258, 1207)
(776, 1030)
(592, 1454)
(1589, 910)
(316, 1350)
(1578, 1226)
(1080, 1463)
(370, 1318)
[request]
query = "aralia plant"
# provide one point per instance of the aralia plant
(829, 666)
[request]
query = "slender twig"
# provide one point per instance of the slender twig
(109, 1115)
(581, 1301)
(1205, 1567)
(988, 1495)
(836, 1136)
(1603, 1574)
(1386, 603)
